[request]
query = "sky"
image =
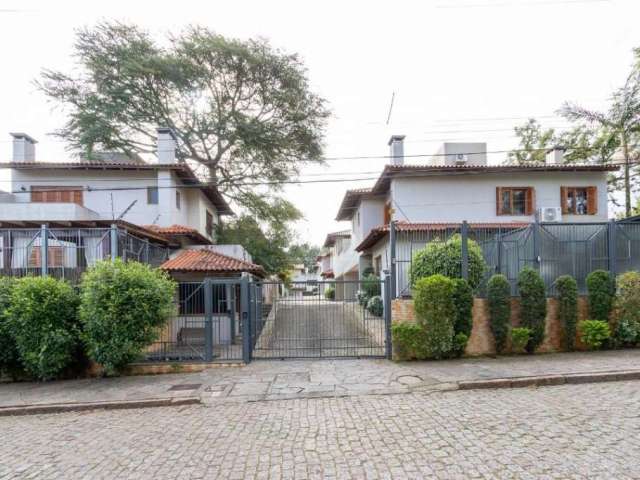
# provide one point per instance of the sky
(459, 70)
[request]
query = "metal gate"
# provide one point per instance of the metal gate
(245, 318)
(324, 319)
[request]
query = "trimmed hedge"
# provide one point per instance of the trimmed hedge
(330, 293)
(567, 296)
(520, 338)
(445, 258)
(375, 306)
(463, 302)
(436, 313)
(601, 291)
(123, 306)
(409, 341)
(533, 305)
(627, 332)
(499, 300)
(10, 363)
(43, 319)
(594, 333)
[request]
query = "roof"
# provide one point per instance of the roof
(205, 260)
(390, 171)
(124, 225)
(332, 237)
(182, 170)
(327, 274)
(180, 230)
(350, 201)
(378, 233)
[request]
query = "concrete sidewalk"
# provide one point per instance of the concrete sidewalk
(278, 380)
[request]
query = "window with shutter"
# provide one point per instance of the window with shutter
(579, 200)
(56, 194)
(515, 201)
(55, 257)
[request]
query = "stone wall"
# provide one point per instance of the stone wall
(481, 340)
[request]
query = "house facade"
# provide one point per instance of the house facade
(459, 185)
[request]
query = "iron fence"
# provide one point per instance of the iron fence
(67, 252)
(554, 249)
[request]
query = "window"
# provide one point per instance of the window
(387, 213)
(56, 194)
(579, 200)
(55, 257)
(178, 200)
(152, 195)
(377, 265)
(209, 224)
(515, 201)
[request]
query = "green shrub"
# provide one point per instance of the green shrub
(459, 344)
(330, 293)
(362, 298)
(520, 338)
(370, 285)
(445, 258)
(594, 333)
(123, 306)
(435, 311)
(567, 296)
(463, 302)
(409, 341)
(9, 356)
(43, 318)
(533, 305)
(375, 306)
(499, 300)
(601, 291)
(627, 305)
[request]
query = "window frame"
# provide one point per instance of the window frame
(56, 194)
(591, 193)
(150, 196)
(529, 201)
(208, 223)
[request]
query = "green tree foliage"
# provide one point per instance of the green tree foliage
(533, 140)
(463, 302)
(594, 333)
(241, 109)
(499, 300)
(9, 356)
(533, 305)
(436, 313)
(445, 258)
(305, 254)
(628, 309)
(43, 318)
(567, 295)
(267, 246)
(330, 293)
(601, 292)
(123, 306)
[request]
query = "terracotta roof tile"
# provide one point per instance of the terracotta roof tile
(205, 260)
(378, 233)
(179, 230)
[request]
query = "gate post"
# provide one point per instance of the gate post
(387, 313)
(208, 320)
(536, 243)
(245, 307)
(464, 234)
(392, 257)
(44, 250)
(611, 247)
(113, 241)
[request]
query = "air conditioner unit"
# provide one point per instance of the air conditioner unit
(550, 214)
(461, 158)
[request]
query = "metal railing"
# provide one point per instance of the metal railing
(554, 249)
(67, 252)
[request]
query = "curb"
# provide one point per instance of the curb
(82, 407)
(550, 380)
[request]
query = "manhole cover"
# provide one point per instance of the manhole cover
(185, 386)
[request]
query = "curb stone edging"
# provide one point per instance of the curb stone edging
(550, 380)
(111, 405)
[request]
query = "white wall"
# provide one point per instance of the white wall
(369, 215)
(346, 258)
(455, 198)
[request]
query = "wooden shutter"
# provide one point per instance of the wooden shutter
(56, 195)
(592, 200)
(498, 200)
(387, 213)
(564, 199)
(530, 201)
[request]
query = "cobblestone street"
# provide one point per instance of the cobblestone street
(571, 431)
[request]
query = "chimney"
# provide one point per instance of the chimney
(166, 148)
(555, 156)
(396, 145)
(24, 147)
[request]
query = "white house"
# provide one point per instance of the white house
(458, 185)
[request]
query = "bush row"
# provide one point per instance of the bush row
(48, 329)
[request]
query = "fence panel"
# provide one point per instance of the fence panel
(627, 247)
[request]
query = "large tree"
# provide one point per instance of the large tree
(533, 139)
(243, 111)
(306, 254)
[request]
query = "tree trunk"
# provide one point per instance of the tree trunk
(627, 180)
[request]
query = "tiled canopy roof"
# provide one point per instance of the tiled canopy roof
(350, 202)
(378, 233)
(204, 260)
(179, 230)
